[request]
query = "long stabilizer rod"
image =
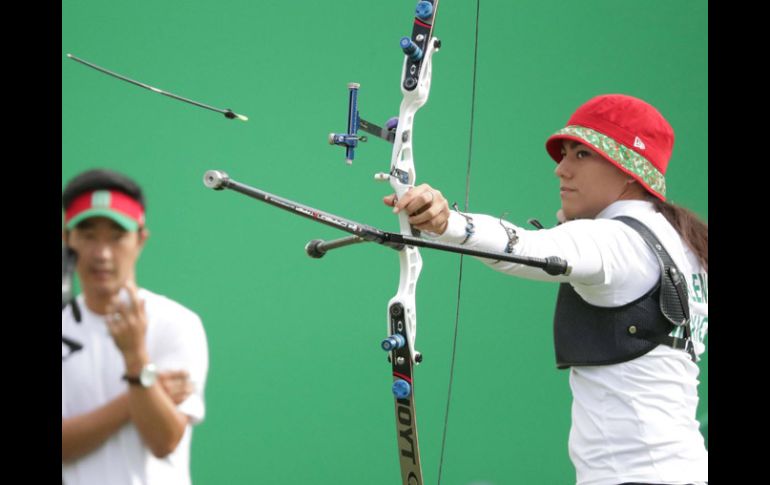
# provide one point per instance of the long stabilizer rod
(218, 180)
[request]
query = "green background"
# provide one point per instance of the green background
(298, 389)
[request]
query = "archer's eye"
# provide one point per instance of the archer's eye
(581, 153)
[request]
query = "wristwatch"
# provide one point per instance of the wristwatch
(146, 377)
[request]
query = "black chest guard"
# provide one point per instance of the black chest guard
(585, 334)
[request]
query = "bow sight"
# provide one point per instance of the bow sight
(415, 48)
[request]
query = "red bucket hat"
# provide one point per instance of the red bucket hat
(628, 132)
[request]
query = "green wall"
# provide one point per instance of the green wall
(298, 389)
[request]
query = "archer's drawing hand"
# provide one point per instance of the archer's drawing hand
(427, 208)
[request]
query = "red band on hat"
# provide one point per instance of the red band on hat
(116, 202)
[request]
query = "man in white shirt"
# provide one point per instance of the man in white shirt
(134, 363)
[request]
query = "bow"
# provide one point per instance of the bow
(402, 311)
(402, 308)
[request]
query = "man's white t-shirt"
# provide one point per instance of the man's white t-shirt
(634, 421)
(92, 376)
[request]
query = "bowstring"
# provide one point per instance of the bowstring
(460, 277)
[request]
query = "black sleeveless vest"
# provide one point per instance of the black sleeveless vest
(585, 334)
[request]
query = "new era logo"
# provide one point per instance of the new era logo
(638, 143)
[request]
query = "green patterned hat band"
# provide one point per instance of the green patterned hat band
(625, 158)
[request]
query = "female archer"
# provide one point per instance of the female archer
(631, 317)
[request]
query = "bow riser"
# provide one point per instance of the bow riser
(410, 263)
(402, 178)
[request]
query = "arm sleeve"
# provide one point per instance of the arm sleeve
(600, 252)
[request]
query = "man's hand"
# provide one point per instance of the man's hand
(176, 383)
(427, 208)
(127, 323)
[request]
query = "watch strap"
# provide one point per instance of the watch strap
(132, 380)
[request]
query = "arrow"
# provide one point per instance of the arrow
(227, 112)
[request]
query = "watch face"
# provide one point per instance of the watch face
(149, 375)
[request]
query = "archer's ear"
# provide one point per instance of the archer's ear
(143, 233)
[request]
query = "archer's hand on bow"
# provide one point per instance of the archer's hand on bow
(427, 208)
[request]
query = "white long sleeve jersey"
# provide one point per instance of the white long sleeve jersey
(634, 421)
